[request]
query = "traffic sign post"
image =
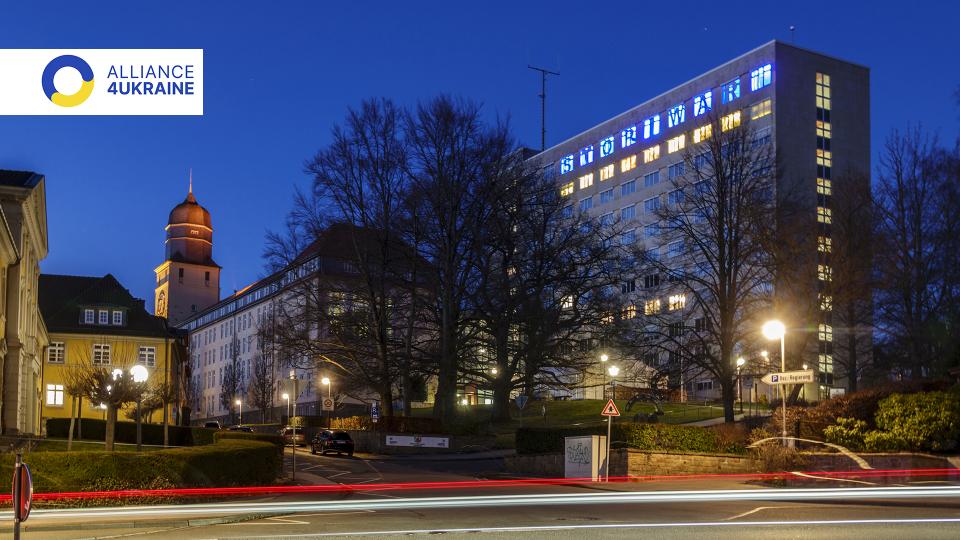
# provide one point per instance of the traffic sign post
(521, 402)
(609, 410)
(789, 377)
(22, 494)
(327, 404)
(375, 412)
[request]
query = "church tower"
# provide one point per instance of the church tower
(188, 280)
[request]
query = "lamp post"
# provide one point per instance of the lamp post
(240, 404)
(740, 363)
(772, 330)
(614, 371)
(286, 397)
(326, 382)
(603, 386)
(140, 375)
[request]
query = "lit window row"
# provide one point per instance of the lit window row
(586, 181)
(823, 91)
(586, 156)
(825, 363)
(824, 158)
(824, 244)
(823, 129)
(651, 307)
(628, 163)
(730, 121)
(826, 302)
(761, 109)
(702, 133)
(824, 186)
(824, 272)
(703, 103)
(567, 189)
(676, 115)
(825, 332)
(606, 172)
(630, 312)
(677, 301)
(677, 143)
(824, 215)
(651, 126)
(651, 154)
(606, 146)
(760, 77)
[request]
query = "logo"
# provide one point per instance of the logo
(67, 61)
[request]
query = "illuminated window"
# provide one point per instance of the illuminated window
(586, 156)
(101, 354)
(628, 212)
(627, 188)
(88, 316)
(628, 237)
(147, 356)
(651, 205)
(824, 186)
(651, 126)
(675, 170)
(703, 103)
(825, 363)
(823, 129)
(586, 181)
(606, 196)
(730, 121)
(823, 91)
(824, 244)
(607, 319)
(825, 332)
(677, 301)
(566, 302)
(651, 179)
(676, 143)
(824, 158)
(824, 272)
(675, 197)
(628, 163)
(628, 136)
(651, 307)
(760, 77)
(606, 146)
(731, 91)
(566, 189)
(702, 133)
(586, 204)
(824, 215)
(55, 394)
(630, 312)
(826, 302)
(55, 353)
(676, 115)
(761, 109)
(651, 154)
(606, 172)
(566, 164)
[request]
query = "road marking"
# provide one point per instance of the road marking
(291, 521)
(805, 475)
(760, 508)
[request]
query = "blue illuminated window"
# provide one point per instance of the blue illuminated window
(628, 136)
(566, 164)
(606, 146)
(567, 211)
(628, 212)
(627, 188)
(586, 156)
(651, 179)
(651, 126)
(676, 115)
(703, 103)
(731, 90)
(675, 170)
(586, 204)
(606, 196)
(606, 219)
(760, 77)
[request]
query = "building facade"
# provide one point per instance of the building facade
(23, 244)
(95, 322)
(815, 112)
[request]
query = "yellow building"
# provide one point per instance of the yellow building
(95, 321)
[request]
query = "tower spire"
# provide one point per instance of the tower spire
(191, 180)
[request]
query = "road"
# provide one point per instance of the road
(722, 508)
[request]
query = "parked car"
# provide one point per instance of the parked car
(246, 429)
(290, 439)
(212, 424)
(332, 441)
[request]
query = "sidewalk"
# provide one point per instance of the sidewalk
(467, 456)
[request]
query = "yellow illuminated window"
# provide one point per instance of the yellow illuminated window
(824, 244)
(702, 133)
(825, 363)
(677, 301)
(676, 143)
(628, 163)
(586, 181)
(824, 215)
(651, 307)
(826, 302)
(823, 91)
(824, 186)
(630, 311)
(825, 332)
(651, 153)
(606, 173)
(824, 129)
(566, 302)
(730, 121)
(824, 157)
(824, 272)
(761, 109)
(566, 189)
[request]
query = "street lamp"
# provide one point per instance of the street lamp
(613, 371)
(773, 330)
(286, 397)
(740, 362)
(240, 404)
(326, 382)
(140, 375)
(603, 386)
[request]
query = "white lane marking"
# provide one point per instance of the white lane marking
(291, 521)
(805, 475)
(759, 509)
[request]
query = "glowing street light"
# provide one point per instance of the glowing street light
(772, 330)
(239, 403)
(139, 374)
(740, 362)
(613, 371)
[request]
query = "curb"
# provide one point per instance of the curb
(146, 524)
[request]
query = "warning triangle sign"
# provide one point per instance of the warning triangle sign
(610, 409)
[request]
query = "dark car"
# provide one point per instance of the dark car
(290, 439)
(332, 441)
(213, 424)
(246, 429)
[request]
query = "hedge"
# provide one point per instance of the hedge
(126, 432)
(927, 421)
(395, 424)
(227, 463)
(246, 435)
(656, 437)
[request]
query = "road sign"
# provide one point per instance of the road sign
(22, 491)
(789, 377)
(521, 401)
(327, 404)
(610, 409)
(375, 412)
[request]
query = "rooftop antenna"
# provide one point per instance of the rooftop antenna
(543, 104)
(191, 179)
(793, 30)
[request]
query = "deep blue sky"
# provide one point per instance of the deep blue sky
(277, 78)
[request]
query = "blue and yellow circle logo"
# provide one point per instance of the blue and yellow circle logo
(55, 65)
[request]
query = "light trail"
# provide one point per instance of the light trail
(621, 497)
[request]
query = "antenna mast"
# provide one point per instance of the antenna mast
(543, 104)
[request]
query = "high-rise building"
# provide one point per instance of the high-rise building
(815, 112)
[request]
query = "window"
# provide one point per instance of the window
(651, 179)
(628, 136)
(586, 181)
(606, 196)
(88, 316)
(606, 146)
(103, 316)
(606, 172)
(825, 363)
(826, 302)
(651, 307)
(566, 164)
(762, 136)
(701, 161)
(651, 154)
(676, 143)
(147, 356)
(824, 244)
(677, 301)
(651, 280)
(702, 133)
(651, 126)
(55, 353)
(824, 129)
(824, 272)
(676, 115)
(761, 109)
(628, 237)
(675, 197)
(566, 302)
(586, 204)
(117, 318)
(675, 249)
(630, 312)
(567, 211)
(101, 354)
(628, 163)
(730, 121)
(566, 189)
(703, 103)
(586, 156)
(606, 219)
(825, 332)
(731, 91)
(823, 91)
(628, 212)
(55, 395)
(627, 188)
(704, 386)
(760, 77)
(652, 254)
(824, 186)
(824, 215)
(651, 230)
(675, 170)
(651, 205)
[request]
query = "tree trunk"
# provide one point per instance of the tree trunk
(852, 367)
(73, 411)
(166, 426)
(407, 388)
(728, 395)
(501, 397)
(386, 400)
(111, 427)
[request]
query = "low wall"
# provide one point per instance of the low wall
(374, 442)
(671, 463)
(823, 461)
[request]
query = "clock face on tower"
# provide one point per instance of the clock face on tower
(162, 304)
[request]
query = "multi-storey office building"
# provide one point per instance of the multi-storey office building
(813, 109)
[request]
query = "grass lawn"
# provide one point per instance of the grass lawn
(60, 445)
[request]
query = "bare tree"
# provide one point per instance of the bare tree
(263, 373)
(233, 381)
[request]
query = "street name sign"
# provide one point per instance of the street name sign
(789, 377)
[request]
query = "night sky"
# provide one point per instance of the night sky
(277, 78)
